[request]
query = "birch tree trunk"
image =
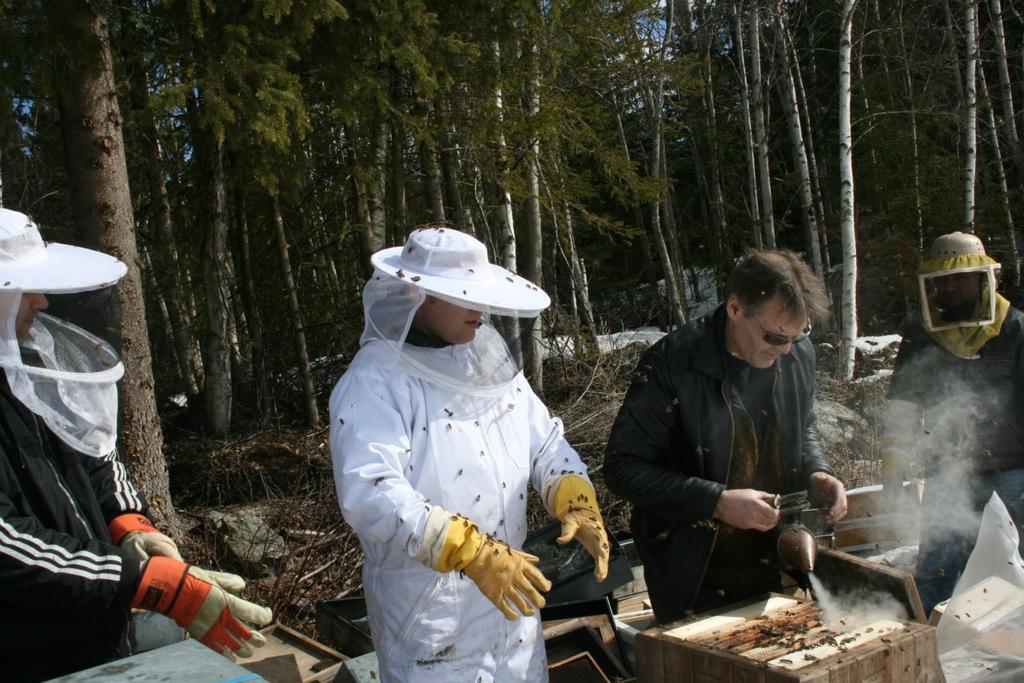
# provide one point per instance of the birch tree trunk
(579, 278)
(804, 106)
(151, 283)
(506, 222)
(636, 205)
(295, 313)
(1005, 88)
(716, 197)
(376, 185)
(970, 110)
(1012, 261)
(787, 88)
(748, 128)
(371, 232)
(873, 156)
(580, 286)
(90, 120)
(908, 86)
(533, 265)
(848, 313)
(760, 135)
(656, 103)
(452, 168)
(577, 269)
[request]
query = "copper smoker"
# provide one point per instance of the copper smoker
(801, 528)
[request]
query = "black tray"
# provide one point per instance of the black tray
(570, 569)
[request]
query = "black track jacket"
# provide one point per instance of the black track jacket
(64, 587)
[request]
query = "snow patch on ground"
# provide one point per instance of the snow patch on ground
(876, 344)
(874, 377)
(565, 346)
(618, 340)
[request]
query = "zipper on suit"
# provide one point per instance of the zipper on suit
(60, 482)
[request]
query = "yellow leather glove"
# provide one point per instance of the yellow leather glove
(507, 577)
(901, 428)
(895, 459)
(895, 469)
(576, 506)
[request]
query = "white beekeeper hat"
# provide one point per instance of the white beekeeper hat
(61, 372)
(28, 264)
(453, 266)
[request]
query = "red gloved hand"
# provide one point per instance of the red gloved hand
(197, 601)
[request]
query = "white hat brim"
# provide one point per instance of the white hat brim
(64, 269)
(498, 290)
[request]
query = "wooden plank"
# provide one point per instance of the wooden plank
(868, 501)
(870, 524)
(879, 536)
(316, 662)
(840, 571)
(865, 634)
(650, 654)
(731, 618)
(708, 665)
(580, 668)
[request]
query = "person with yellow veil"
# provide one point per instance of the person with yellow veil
(956, 407)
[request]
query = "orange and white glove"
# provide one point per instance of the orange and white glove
(199, 601)
(576, 506)
(139, 539)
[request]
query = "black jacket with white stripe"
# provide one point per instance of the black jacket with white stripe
(64, 586)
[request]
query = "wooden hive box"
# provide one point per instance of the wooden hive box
(871, 526)
(697, 650)
(290, 657)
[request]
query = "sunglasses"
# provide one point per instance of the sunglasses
(781, 340)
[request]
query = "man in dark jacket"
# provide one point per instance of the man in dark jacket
(77, 548)
(719, 419)
(956, 405)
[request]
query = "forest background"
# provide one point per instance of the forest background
(246, 158)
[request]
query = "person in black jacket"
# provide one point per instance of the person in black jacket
(720, 418)
(956, 407)
(77, 547)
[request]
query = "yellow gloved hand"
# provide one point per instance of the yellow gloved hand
(895, 459)
(576, 507)
(895, 468)
(508, 578)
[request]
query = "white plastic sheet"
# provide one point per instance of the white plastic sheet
(987, 646)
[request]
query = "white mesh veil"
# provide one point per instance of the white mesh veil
(483, 367)
(453, 267)
(63, 374)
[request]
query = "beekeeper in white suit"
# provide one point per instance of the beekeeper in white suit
(435, 436)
